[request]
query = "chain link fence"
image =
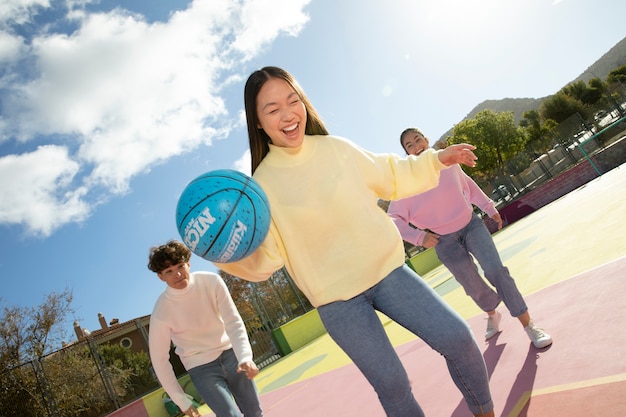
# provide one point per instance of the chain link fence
(575, 142)
(69, 382)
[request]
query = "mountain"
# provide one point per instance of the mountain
(615, 57)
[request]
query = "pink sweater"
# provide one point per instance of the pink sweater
(443, 210)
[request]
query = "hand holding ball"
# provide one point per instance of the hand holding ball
(223, 216)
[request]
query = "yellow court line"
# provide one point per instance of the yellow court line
(525, 397)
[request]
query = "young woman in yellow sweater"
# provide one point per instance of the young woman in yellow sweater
(342, 250)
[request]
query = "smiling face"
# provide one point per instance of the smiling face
(176, 276)
(281, 113)
(414, 143)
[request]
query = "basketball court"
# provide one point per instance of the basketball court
(569, 260)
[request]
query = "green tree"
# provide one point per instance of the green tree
(595, 93)
(561, 106)
(133, 369)
(31, 372)
(531, 123)
(76, 381)
(31, 332)
(618, 75)
(616, 89)
(588, 94)
(70, 380)
(496, 138)
(540, 134)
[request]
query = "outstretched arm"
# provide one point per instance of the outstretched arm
(458, 154)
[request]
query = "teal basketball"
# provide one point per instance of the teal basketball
(223, 215)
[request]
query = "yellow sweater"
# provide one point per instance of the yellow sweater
(327, 227)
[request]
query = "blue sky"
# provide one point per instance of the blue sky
(108, 109)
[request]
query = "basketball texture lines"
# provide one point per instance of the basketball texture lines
(223, 215)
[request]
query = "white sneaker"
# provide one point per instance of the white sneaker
(538, 336)
(493, 325)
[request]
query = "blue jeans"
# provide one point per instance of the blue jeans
(218, 382)
(454, 251)
(405, 298)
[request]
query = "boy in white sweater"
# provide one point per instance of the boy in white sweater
(197, 314)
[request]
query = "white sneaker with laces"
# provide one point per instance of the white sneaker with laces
(493, 325)
(538, 336)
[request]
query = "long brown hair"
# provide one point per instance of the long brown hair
(259, 140)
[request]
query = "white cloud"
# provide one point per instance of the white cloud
(11, 47)
(243, 164)
(262, 19)
(20, 11)
(38, 192)
(125, 94)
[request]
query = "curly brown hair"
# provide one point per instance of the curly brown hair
(164, 256)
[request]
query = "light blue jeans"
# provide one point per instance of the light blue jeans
(405, 298)
(218, 382)
(454, 251)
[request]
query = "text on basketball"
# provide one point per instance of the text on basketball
(197, 227)
(234, 241)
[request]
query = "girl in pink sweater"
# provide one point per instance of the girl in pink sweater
(444, 218)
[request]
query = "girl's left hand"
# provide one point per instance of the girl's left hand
(458, 154)
(498, 219)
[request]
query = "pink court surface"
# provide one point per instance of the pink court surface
(569, 260)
